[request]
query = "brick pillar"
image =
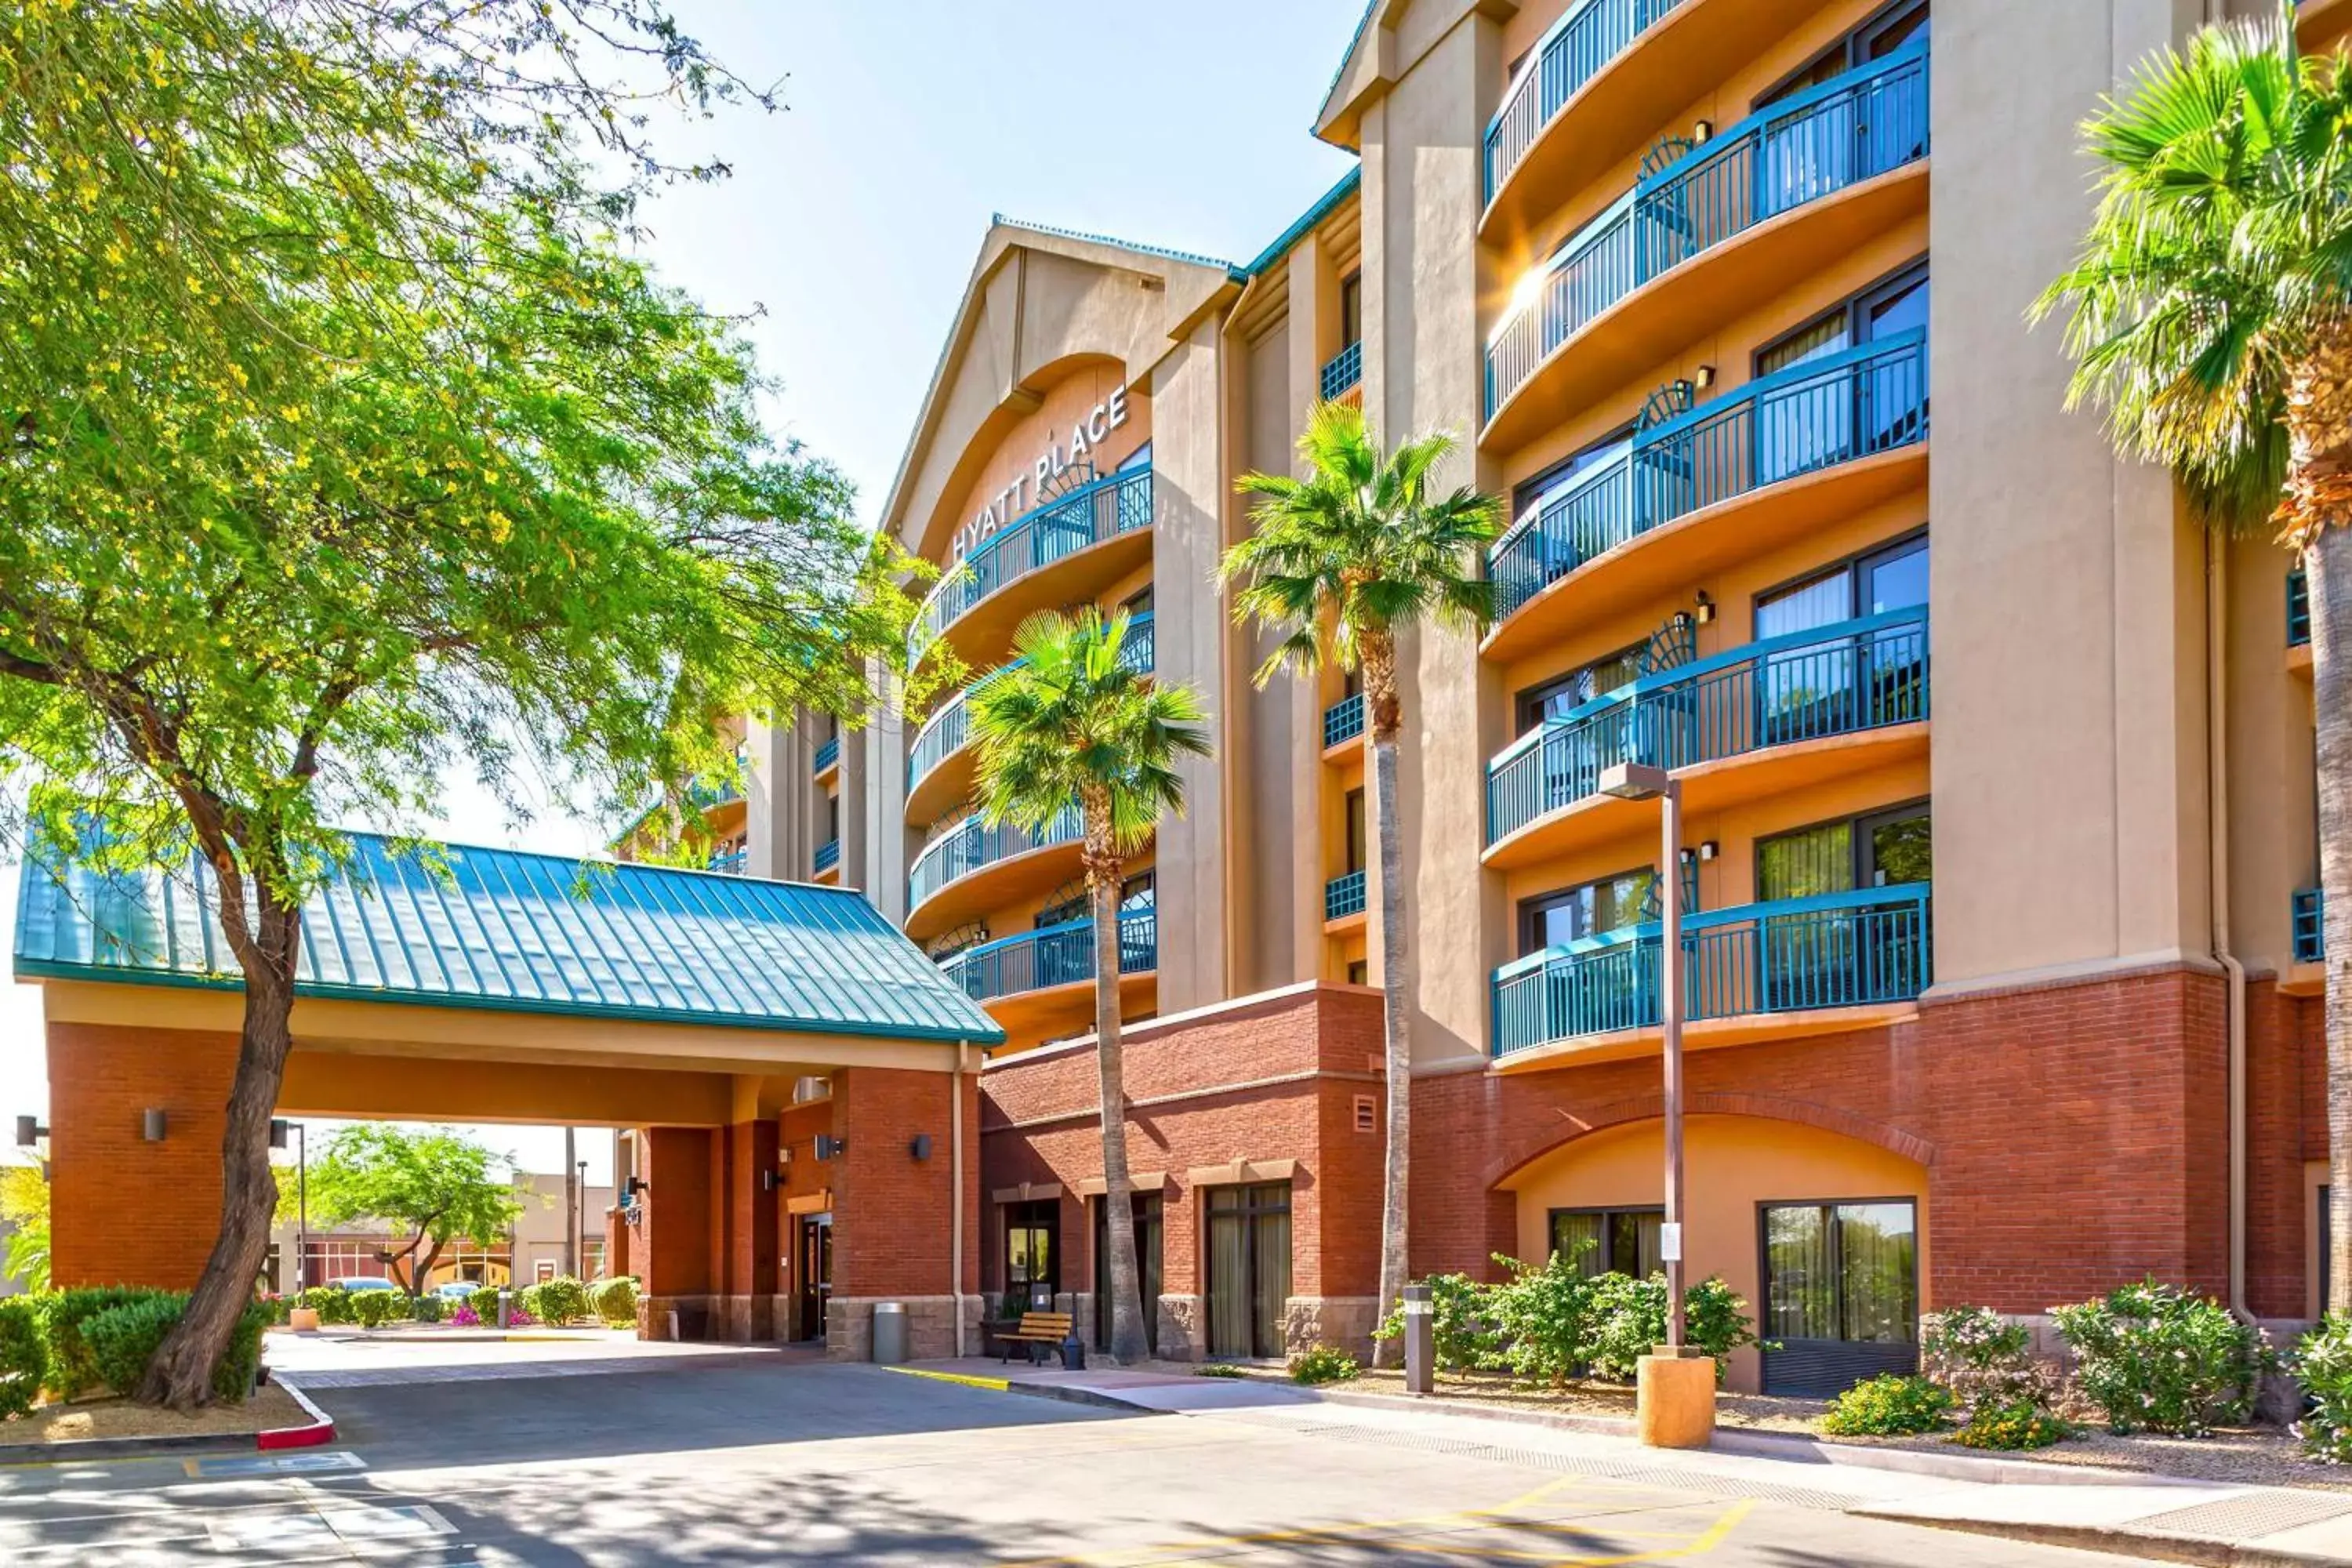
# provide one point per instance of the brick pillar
(124, 1211)
(892, 1230)
(616, 1245)
(746, 1310)
(675, 1235)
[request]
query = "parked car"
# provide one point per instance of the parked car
(358, 1282)
(457, 1290)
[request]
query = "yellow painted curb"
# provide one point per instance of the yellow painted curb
(543, 1339)
(1000, 1385)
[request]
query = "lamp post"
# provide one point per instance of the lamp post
(1640, 781)
(580, 1255)
(277, 1130)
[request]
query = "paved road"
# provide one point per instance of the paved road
(741, 1460)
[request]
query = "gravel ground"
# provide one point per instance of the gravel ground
(2253, 1456)
(271, 1406)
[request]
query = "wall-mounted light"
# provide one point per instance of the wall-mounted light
(829, 1147)
(1703, 132)
(1704, 378)
(767, 1181)
(29, 1132)
(277, 1132)
(630, 1189)
(152, 1126)
(1705, 609)
(922, 1146)
(1708, 849)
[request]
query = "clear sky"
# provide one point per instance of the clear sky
(853, 218)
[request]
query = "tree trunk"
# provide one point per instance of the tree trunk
(1386, 714)
(1128, 1341)
(2318, 511)
(181, 1374)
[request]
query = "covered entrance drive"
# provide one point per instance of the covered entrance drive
(775, 1052)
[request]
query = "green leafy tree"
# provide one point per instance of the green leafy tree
(1340, 564)
(2210, 316)
(433, 1184)
(24, 1206)
(340, 446)
(1075, 722)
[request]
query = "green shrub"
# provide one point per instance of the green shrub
(2017, 1425)
(1542, 1319)
(1462, 1330)
(72, 1369)
(375, 1309)
(123, 1339)
(485, 1302)
(1218, 1369)
(426, 1309)
(562, 1299)
(1323, 1363)
(2156, 1359)
(1986, 1362)
(614, 1302)
(2323, 1365)
(1887, 1405)
(23, 1358)
(332, 1302)
(1629, 1322)
(1715, 1320)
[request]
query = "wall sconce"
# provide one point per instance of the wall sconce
(1703, 131)
(29, 1132)
(921, 1147)
(1705, 609)
(1708, 849)
(635, 1185)
(1704, 378)
(829, 1147)
(152, 1126)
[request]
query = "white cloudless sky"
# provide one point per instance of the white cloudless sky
(853, 218)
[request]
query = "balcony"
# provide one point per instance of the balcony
(1822, 704)
(1724, 229)
(1343, 372)
(828, 856)
(972, 866)
(1052, 956)
(828, 757)
(1763, 466)
(1343, 896)
(1343, 721)
(931, 784)
(1102, 521)
(1794, 967)
(730, 863)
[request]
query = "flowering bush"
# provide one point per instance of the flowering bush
(1887, 1405)
(2155, 1358)
(2014, 1425)
(521, 1317)
(464, 1317)
(2323, 1365)
(1986, 1362)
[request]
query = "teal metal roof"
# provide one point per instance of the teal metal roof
(1344, 187)
(532, 933)
(1192, 257)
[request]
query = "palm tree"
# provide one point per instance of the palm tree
(1340, 562)
(2210, 315)
(1074, 721)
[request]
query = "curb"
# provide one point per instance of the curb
(1062, 1392)
(2201, 1551)
(321, 1428)
(1794, 1447)
(1604, 1426)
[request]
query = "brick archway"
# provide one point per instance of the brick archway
(1651, 1107)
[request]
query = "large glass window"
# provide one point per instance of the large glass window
(1356, 837)
(1841, 683)
(1609, 1241)
(1249, 1268)
(1351, 309)
(1883, 849)
(1150, 1231)
(1841, 1293)
(1033, 1251)
(1579, 686)
(1604, 904)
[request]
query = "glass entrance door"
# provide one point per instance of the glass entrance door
(1841, 1293)
(1249, 1268)
(1032, 1254)
(1149, 1230)
(813, 1265)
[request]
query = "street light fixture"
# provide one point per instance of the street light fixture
(1641, 781)
(278, 1128)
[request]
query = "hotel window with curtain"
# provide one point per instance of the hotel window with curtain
(1609, 1241)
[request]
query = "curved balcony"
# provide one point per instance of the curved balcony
(1597, 84)
(971, 867)
(1756, 721)
(1101, 528)
(1731, 479)
(1755, 972)
(1040, 983)
(1724, 229)
(931, 783)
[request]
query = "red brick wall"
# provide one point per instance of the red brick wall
(124, 1211)
(892, 1213)
(675, 1236)
(750, 1259)
(2286, 1124)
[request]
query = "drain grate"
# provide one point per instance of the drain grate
(2258, 1513)
(1637, 1472)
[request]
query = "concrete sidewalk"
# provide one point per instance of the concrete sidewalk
(2154, 1517)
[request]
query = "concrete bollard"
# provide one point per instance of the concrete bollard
(1420, 1340)
(1673, 1398)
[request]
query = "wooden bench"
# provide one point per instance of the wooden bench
(1036, 1330)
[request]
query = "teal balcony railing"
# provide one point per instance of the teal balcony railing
(1836, 680)
(827, 856)
(1811, 144)
(2299, 608)
(2310, 932)
(944, 733)
(1586, 36)
(1053, 955)
(1343, 896)
(826, 755)
(1842, 949)
(1816, 415)
(1342, 370)
(971, 844)
(1343, 721)
(1114, 504)
(731, 864)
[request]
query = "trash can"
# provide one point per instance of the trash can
(1073, 1353)
(889, 1332)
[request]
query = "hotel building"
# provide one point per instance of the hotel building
(1998, 772)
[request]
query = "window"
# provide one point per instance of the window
(542, 1268)
(1032, 1252)
(1564, 474)
(1351, 309)
(1137, 603)
(1883, 849)
(1579, 686)
(1606, 904)
(592, 1260)
(1842, 683)
(1841, 1293)
(1139, 458)
(1609, 1241)
(1135, 893)
(1356, 840)
(1249, 1268)
(1875, 39)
